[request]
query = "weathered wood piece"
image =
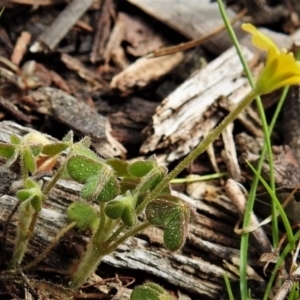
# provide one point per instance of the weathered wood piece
(194, 19)
(181, 120)
(80, 117)
(143, 71)
(51, 37)
(197, 268)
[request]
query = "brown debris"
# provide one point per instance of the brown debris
(60, 82)
(82, 71)
(50, 38)
(141, 38)
(80, 117)
(229, 153)
(38, 2)
(103, 29)
(20, 48)
(24, 78)
(143, 71)
(115, 38)
(9, 106)
(5, 40)
(234, 192)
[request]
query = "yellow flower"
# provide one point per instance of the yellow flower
(281, 68)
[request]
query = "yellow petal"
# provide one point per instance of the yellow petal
(281, 71)
(261, 41)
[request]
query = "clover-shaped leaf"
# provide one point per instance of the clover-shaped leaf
(7, 150)
(27, 151)
(85, 142)
(81, 167)
(54, 148)
(120, 167)
(150, 291)
(100, 181)
(102, 186)
(69, 138)
(32, 193)
(28, 159)
(122, 207)
(173, 214)
(129, 217)
(81, 148)
(15, 140)
(85, 216)
(141, 168)
(152, 179)
(57, 147)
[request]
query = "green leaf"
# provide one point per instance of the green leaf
(23, 195)
(36, 203)
(35, 148)
(28, 159)
(122, 207)
(176, 229)
(31, 184)
(7, 150)
(15, 140)
(151, 180)
(159, 211)
(173, 214)
(68, 138)
(85, 142)
(141, 168)
(110, 190)
(80, 168)
(54, 148)
(120, 167)
(80, 150)
(82, 213)
(102, 186)
(129, 217)
(150, 291)
(114, 209)
(32, 193)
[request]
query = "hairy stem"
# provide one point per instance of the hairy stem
(88, 263)
(24, 230)
(53, 243)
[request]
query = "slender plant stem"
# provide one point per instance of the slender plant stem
(128, 234)
(26, 214)
(278, 265)
(116, 234)
(88, 263)
(282, 214)
(196, 178)
(250, 204)
(55, 178)
(102, 221)
(228, 286)
(24, 169)
(53, 243)
(251, 198)
(261, 115)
